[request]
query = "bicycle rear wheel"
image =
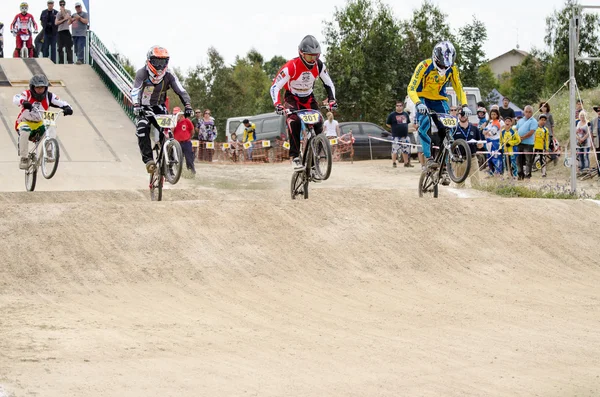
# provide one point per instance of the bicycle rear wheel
(173, 157)
(459, 161)
(31, 174)
(322, 157)
(50, 161)
(428, 187)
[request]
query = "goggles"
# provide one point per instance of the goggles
(311, 57)
(159, 63)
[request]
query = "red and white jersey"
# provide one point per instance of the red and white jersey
(37, 106)
(24, 22)
(296, 78)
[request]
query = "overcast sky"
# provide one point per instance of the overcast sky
(187, 29)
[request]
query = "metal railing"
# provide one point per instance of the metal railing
(111, 72)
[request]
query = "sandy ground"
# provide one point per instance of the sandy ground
(229, 288)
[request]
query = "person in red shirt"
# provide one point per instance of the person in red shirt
(298, 78)
(24, 25)
(183, 134)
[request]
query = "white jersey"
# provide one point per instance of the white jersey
(330, 128)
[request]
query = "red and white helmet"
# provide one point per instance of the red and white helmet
(24, 7)
(157, 63)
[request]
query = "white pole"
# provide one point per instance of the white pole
(573, 142)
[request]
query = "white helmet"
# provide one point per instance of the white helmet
(443, 56)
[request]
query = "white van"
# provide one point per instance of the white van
(268, 126)
(473, 96)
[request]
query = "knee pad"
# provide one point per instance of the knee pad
(142, 127)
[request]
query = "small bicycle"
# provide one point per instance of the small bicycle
(315, 156)
(455, 156)
(47, 158)
(168, 153)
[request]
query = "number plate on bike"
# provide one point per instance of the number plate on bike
(49, 118)
(310, 117)
(165, 121)
(449, 121)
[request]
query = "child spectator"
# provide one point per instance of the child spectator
(583, 141)
(183, 134)
(492, 137)
(249, 135)
(509, 141)
(207, 132)
(541, 144)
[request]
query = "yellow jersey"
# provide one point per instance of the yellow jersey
(542, 139)
(249, 133)
(427, 83)
(510, 139)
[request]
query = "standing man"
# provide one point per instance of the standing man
(526, 128)
(79, 22)
(467, 131)
(249, 135)
(183, 134)
(48, 20)
(398, 122)
(65, 41)
(506, 110)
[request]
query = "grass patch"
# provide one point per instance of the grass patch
(512, 189)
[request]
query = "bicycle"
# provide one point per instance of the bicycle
(454, 155)
(315, 156)
(49, 155)
(167, 151)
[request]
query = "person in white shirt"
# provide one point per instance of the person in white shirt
(331, 127)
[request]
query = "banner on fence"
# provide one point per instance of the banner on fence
(333, 141)
(266, 143)
(286, 145)
(210, 145)
(195, 143)
(247, 145)
(226, 146)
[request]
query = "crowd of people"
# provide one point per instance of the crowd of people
(60, 34)
(510, 144)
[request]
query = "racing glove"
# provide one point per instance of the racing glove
(138, 111)
(467, 111)
(279, 109)
(421, 108)
(188, 111)
(27, 105)
(67, 110)
(333, 104)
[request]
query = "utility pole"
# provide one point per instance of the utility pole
(572, 55)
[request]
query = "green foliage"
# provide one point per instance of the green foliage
(364, 53)
(471, 39)
(512, 190)
(126, 63)
(486, 81)
(527, 81)
(272, 66)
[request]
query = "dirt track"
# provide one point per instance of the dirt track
(232, 289)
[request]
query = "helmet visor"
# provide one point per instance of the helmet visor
(159, 63)
(311, 58)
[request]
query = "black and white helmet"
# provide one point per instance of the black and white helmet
(38, 80)
(309, 50)
(443, 56)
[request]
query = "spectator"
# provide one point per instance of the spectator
(420, 154)
(467, 131)
(510, 140)
(542, 141)
(398, 121)
(65, 40)
(48, 22)
(331, 127)
(526, 128)
(492, 137)
(1, 40)
(595, 130)
(578, 108)
(207, 133)
(545, 109)
(482, 116)
(453, 111)
(583, 141)
(183, 135)
(506, 110)
(39, 44)
(249, 136)
(235, 147)
(196, 123)
(79, 22)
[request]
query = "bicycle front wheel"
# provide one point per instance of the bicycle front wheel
(156, 185)
(50, 157)
(428, 187)
(322, 157)
(459, 161)
(31, 174)
(299, 185)
(173, 157)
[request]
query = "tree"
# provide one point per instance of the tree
(557, 39)
(527, 81)
(126, 63)
(471, 39)
(486, 82)
(272, 66)
(363, 52)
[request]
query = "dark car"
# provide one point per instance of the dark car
(361, 131)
